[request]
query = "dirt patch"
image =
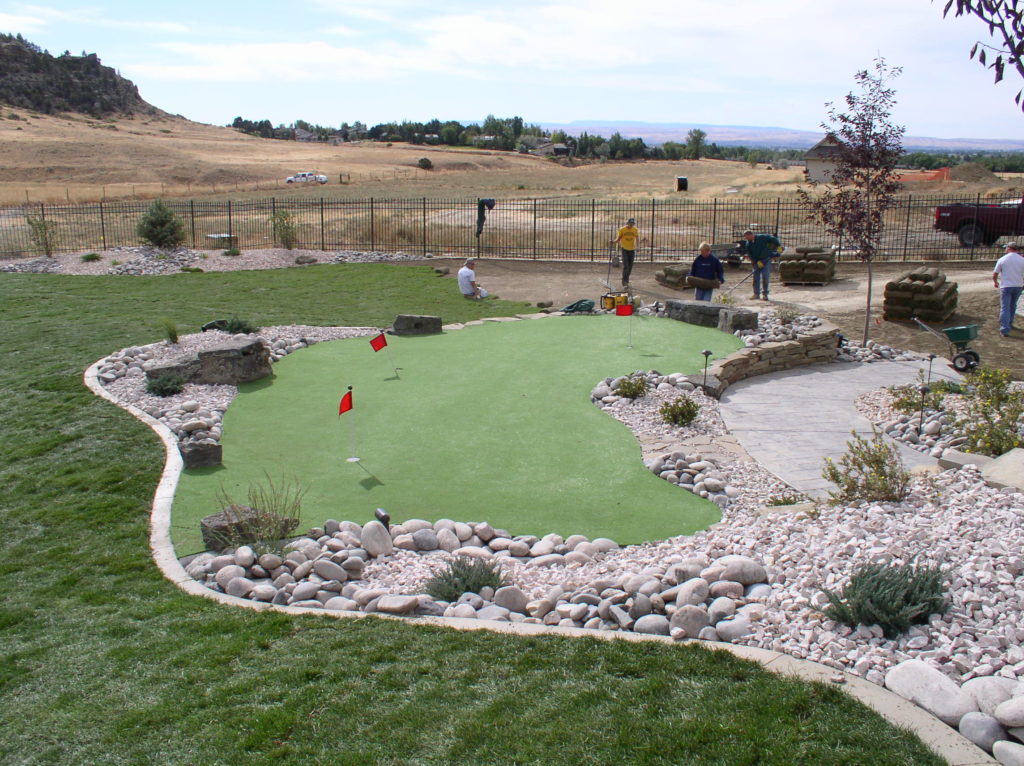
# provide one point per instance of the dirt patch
(841, 302)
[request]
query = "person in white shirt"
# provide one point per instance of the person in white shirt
(467, 281)
(1008, 277)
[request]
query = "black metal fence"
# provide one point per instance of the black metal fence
(551, 229)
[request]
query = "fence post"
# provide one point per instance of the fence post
(103, 228)
(906, 228)
(652, 230)
(230, 232)
(373, 233)
(778, 213)
(714, 219)
(534, 228)
(593, 227)
(424, 227)
(323, 234)
(192, 218)
(977, 209)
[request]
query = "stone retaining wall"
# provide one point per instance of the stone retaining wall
(816, 347)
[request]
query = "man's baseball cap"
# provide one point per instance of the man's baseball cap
(631, 220)
(1011, 245)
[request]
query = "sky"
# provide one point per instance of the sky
(714, 62)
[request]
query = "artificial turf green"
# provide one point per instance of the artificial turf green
(492, 422)
(103, 661)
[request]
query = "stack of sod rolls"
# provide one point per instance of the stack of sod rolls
(923, 293)
(813, 264)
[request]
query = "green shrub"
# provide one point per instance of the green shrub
(286, 231)
(165, 385)
(43, 233)
(192, 269)
(160, 227)
(425, 163)
(994, 416)
(870, 470)
(271, 516)
(464, 575)
(789, 498)
(680, 412)
(632, 386)
(893, 597)
(170, 330)
(90, 257)
(786, 314)
(907, 398)
(232, 251)
(237, 326)
(724, 298)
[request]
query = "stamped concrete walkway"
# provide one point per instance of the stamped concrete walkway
(790, 421)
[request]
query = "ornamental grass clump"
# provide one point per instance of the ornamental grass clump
(464, 575)
(271, 516)
(869, 471)
(893, 596)
(995, 413)
(681, 411)
(632, 386)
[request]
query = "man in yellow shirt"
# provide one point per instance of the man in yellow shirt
(627, 239)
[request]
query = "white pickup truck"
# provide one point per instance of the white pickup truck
(308, 177)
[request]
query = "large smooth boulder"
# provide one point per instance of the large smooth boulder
(236, 360)
(928, 688)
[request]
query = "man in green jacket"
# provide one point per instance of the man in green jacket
(760, 248)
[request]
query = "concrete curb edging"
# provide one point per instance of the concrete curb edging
(942, 739)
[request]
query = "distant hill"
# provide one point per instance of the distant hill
(31, 78)
(773, 138)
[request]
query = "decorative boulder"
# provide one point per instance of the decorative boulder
(412, 324)
(234, 361)
(200, 455)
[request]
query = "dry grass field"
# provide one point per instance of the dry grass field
(80, 159)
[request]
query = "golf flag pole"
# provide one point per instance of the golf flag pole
(343, 407)
(380, 341)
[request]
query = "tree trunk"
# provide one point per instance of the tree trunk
(867, 307)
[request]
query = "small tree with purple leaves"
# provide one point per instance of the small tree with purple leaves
(863, 183)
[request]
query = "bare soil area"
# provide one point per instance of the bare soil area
(842, 302)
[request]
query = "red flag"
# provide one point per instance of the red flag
(378, 342)
(346, 402)
(624, 310)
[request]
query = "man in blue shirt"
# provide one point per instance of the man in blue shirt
(706, 266)
(760, 248)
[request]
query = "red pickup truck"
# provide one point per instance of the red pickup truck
(981, 224)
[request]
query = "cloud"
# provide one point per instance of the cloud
(20, 24)
(92, 17)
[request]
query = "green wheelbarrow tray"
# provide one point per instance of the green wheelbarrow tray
(962, 335)
(964, 359)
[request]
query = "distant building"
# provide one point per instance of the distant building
(820, 160)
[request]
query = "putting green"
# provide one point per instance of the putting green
(488, 423)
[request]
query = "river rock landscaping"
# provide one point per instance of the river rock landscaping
(756, 578)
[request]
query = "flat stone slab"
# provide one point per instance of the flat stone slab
(234, 361)
(1007, 470)
(415, 324)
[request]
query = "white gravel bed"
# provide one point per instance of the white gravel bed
(148, 260)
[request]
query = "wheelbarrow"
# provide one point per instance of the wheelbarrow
(959, 338)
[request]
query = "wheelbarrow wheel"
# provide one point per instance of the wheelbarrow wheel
(965, 361)
(974, 355)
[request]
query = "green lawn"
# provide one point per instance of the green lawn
(491, 422)
(105, 662)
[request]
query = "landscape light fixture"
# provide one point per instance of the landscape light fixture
(383, 517)
(925, 390)
(931, 358)
(707, 354)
